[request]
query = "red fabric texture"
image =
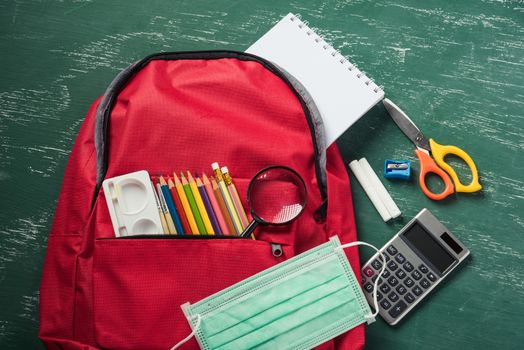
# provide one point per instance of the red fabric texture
(102, 292)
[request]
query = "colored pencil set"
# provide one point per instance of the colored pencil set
(193, 205)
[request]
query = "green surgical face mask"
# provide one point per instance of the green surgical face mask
(298, 304)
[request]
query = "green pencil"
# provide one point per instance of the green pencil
(193, 205)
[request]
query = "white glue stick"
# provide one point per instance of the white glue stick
(383, 194)
(368, 188)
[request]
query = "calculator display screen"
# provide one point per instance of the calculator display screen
(425, 244)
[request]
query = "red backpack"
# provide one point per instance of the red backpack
(183, 111)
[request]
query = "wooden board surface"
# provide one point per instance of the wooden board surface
(457, 68)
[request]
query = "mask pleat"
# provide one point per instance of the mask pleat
(264, 337)
(290, 313)
(295, 305)
(324, 323)
(242, 309)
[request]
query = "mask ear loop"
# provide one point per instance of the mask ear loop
(195, 330)
(375, 286)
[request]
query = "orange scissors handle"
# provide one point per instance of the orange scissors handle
(427, 166)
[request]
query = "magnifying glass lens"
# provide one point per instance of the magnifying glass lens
(277, 195)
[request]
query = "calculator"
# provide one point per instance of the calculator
(419, 257)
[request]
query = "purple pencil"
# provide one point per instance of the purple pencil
(209, 207)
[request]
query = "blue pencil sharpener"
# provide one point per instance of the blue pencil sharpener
(397, 169)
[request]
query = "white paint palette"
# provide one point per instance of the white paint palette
(132, 204)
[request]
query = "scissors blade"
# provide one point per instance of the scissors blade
(406, 125)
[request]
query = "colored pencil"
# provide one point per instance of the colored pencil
(200, 204)
(193, 205)
(179, 207)
(227, 199)
(216, 208)
(160, 212)
(209, 207)
(169, 219)
(223, 209)
(185, 204)
(171, 206)
(236, 198)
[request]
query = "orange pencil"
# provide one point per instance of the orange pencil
(225, 213)
(179, 207)
(186, 205)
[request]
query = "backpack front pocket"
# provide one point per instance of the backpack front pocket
(140, 283)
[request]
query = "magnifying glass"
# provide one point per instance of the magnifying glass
(276, 195)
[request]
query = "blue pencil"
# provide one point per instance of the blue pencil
(171, 206)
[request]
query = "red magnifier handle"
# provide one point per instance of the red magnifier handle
(427, 166)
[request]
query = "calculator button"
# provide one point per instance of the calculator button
(386, 273)
(408, 267)
(376, 264)
(417, 290)
(393, 296)
(392, 265)
(400, 258)
(431, 277)
(385, 304)
(368, 287)
(401, 289)
(409, 298)
(368, 271)
(362, 279)
(386, 257)
(384, 288)
(393, 281)
(374, 278)
(409, 282)
(416, 275)
(400, 274)
(425, 283)
(423, 268)
(399, 308)
(392, 250)
(379, 296)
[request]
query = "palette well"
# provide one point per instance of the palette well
(132, 205)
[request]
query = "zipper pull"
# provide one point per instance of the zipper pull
(276, 249)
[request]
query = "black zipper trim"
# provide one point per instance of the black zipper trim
(119, 83)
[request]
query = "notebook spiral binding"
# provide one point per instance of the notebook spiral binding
(333, 52)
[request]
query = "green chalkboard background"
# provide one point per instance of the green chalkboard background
(456, 67)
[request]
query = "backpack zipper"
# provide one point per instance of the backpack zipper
(276, 248)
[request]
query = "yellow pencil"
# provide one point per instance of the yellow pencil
(185, 205)
(227, 198)
(235, 197)
(160, 212)
(200, 204)
(223, 208)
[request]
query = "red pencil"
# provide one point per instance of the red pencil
(179, 207)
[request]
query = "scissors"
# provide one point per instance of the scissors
(427, 149)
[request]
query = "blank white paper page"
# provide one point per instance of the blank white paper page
(341, 91)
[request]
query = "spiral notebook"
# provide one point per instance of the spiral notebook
(340, 90)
